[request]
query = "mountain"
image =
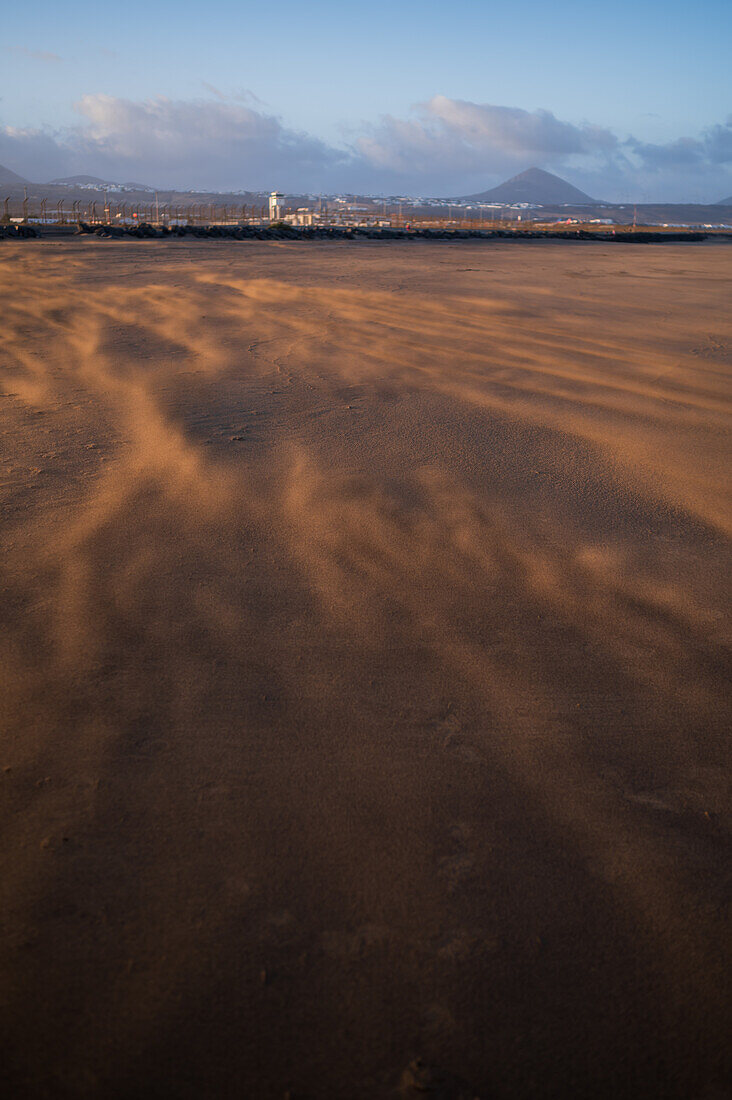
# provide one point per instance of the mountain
(11, 179)
(536, 186)
(724, 202)
(82, 181)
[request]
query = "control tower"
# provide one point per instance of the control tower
(275, 205)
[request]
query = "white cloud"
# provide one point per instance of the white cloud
(198, 144)
(477, 137)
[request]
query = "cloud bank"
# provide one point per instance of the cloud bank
(445, 146)
(451, 134)
(189, 144)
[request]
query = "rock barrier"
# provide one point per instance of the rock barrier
(18, 232)
(145, 231)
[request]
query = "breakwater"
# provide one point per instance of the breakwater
(146, 231)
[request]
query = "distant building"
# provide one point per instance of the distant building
(303, 216)
(275, 206)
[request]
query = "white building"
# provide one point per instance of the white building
(275, 205)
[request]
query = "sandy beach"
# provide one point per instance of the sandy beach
(364, 670)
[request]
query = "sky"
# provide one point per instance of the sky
(631, 101)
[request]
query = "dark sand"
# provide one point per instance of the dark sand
(364, 669)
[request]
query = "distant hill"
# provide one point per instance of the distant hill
(88, 183)
(724, 202)
(536, 186)
(9, 178)
(82, 181)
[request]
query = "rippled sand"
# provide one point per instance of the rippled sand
(364, 669)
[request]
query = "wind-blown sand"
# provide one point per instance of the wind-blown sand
(364, 669)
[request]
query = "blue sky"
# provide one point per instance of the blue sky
(383, 97)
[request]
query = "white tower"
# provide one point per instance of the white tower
(275, 205)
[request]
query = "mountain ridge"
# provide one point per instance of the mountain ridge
(10, 178)
(71, 181)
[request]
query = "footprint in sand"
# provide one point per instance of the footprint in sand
(452, 738)
(420, 1079)
(456, 868)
